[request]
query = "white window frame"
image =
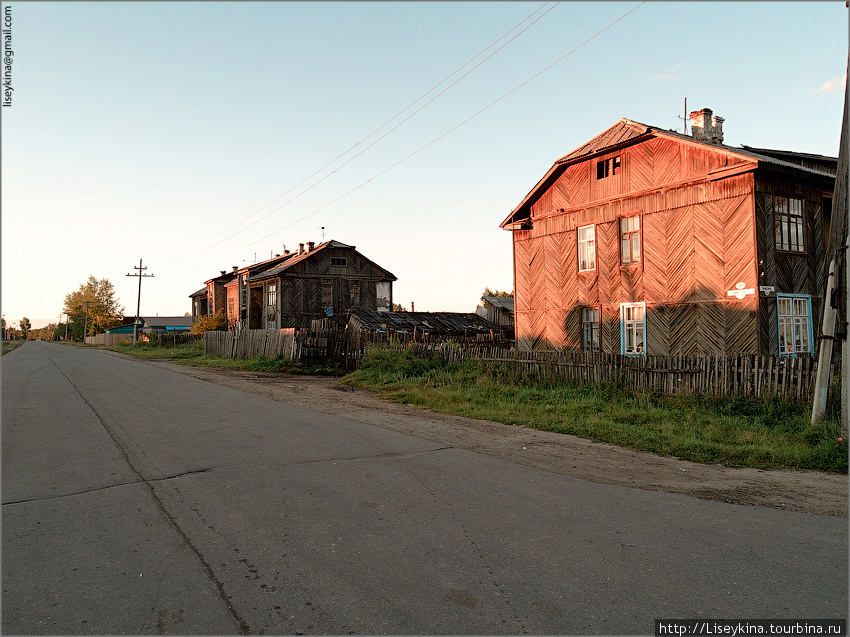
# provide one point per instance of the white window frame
(633, 329)
(586, 249)
(795, 324)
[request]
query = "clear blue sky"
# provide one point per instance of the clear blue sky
(160, 130)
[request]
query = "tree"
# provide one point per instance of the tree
(25, 327)
(212, 322)
(103, 308)
(502, 293)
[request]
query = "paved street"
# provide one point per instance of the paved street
(140, 500)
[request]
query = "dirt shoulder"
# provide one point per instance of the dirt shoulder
(804, 491)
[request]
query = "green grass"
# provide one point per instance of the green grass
(193, 354)
(733, 432)
(9, 346)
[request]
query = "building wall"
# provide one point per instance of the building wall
(698, 242)
(789, 273)
(306, 287)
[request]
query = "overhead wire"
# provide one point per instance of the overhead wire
(451, 130)
(379, 128)
(436, 139)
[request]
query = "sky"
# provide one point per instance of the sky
(198, 136)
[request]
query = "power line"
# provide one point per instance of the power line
(394, 117)
(436, 139)
(454, 128)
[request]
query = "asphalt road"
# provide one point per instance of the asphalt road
(140, 500)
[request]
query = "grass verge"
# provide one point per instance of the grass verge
(729, 431)
(193, 354)
(9, 346)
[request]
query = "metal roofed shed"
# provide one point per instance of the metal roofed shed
(498, 310)
(450, 324)
(156, 324)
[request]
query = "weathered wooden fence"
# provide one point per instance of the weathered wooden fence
(747, 375)
(785, 378)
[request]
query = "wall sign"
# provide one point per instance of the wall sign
(740, 291)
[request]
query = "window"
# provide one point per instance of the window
(630, 240)
(632, 329)
(788, 224)
(271, 295)
(271, 325)
(354, 294)
(590, 329)
(606, 167)
(327, 294)
(339, 262)
(586, 248)
(795, 324)
(231, 314)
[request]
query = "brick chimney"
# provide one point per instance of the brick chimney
(310, 246)
(300, 248)
(707, 127)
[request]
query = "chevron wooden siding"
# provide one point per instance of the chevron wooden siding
(787, 273)
(698, 242)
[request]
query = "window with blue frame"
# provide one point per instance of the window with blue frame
(633, 329)
(795, 324)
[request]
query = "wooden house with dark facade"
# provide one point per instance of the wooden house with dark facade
(644, 241)
(293, 289)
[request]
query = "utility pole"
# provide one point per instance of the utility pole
(139, 300)
(86, 324)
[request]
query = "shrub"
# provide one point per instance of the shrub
(210, 323)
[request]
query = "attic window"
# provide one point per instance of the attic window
(339, 262)
(607, 167)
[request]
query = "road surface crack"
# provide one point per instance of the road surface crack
(244, 628)
(106, 487)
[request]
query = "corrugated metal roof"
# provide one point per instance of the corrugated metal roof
(296, 258)
(167, 321)
(625, 131)
(426, 322)
(200, 292)
(501, 302)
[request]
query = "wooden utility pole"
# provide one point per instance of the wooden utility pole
(140, 274)
(836, 305)
(86, 324)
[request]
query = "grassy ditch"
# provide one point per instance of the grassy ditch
(729, 431)
(193, 354)
(9, 346)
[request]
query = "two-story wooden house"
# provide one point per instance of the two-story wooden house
(292, 289)
(644, 241)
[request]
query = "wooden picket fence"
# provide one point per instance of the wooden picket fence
(784, 378)
(341, 348)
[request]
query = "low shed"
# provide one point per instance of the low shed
(448, 324)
